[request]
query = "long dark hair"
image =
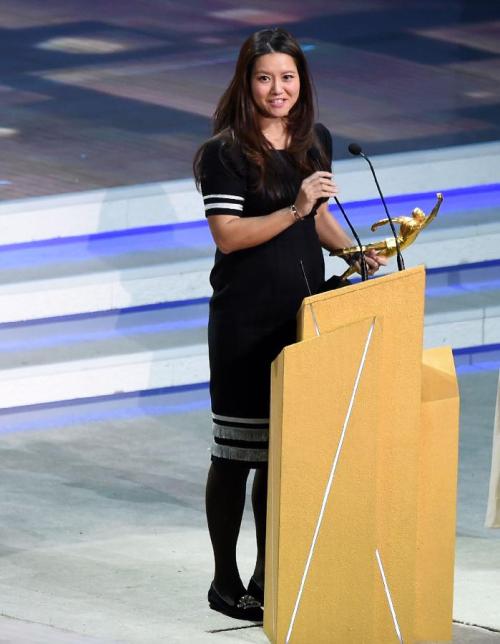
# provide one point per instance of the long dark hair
(236, 118)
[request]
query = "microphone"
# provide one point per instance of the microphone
(362, 260)
(356, 150)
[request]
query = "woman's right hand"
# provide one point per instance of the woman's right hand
(319, 185)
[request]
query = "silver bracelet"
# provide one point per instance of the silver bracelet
(295, 213)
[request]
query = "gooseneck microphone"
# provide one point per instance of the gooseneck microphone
(356, 150)
(361, 256)
(362, 260)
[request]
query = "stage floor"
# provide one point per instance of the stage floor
(93, 97)
(103, 526)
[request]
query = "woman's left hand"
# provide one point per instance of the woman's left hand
(373, 262)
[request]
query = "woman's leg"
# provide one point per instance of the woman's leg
(259, 504)
(225, 501)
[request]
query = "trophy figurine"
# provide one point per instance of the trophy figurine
(409, 229)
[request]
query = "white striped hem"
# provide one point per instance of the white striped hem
(240, 453)
(240, 433)
(248, 421)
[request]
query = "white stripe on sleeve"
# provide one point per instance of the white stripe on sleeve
(228, 206)
(235, 197)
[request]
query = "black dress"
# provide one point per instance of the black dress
(256, 295)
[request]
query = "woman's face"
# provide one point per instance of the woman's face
(275, 84)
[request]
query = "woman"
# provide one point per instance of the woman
(265, 178)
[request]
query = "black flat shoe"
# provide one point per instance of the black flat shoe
(246, 607)
(256, 591)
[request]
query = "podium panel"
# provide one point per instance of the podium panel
(323, 464)
(341, 552)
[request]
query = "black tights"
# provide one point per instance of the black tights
(225, 501)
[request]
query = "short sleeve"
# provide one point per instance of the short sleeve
(223, 181)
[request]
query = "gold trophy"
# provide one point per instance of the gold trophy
(410, 228)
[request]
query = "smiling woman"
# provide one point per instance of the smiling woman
(275, 88)
(266, 178)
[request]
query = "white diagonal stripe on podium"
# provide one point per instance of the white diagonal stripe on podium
(388, 595)
(315, 321)
(330, 479)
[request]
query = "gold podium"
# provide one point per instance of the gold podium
(362, 472)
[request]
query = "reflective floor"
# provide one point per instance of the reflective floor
(103, 527)
(93, 97)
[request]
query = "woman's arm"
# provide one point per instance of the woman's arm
(332, 236)
(233, 233)
(330, 232)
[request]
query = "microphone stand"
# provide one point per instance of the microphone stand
(401, 263)
(355, 149)
(362, 260)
